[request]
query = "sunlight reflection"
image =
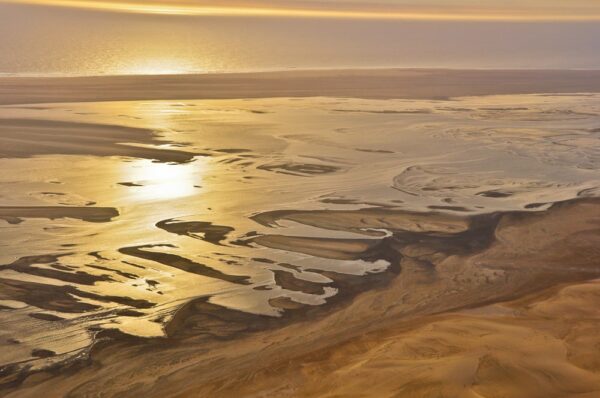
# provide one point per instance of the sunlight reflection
(160, 181)
(157, 66)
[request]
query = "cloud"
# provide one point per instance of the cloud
(530, 10)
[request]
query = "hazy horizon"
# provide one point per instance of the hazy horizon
(44, 40)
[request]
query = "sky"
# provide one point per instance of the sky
(120, 37)
(548, 10)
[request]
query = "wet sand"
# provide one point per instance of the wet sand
(301, 246)
(501, 317)
(375, 84)
(25, 138)
(15, 215)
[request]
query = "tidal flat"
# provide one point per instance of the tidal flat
(301, 246)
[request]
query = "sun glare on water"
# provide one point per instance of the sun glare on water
(161, 181)
(165, 66)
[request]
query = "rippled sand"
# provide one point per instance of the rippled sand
(301, 247)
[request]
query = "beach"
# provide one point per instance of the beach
(401, 232)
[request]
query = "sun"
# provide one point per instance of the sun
(156, 66)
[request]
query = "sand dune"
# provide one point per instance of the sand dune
(506, 350)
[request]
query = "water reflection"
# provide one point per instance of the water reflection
(157, 66)
(160, 181)
(82, 42)
(173, 241)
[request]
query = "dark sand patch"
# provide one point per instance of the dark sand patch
(60, 298)
(12, 220)
(26, 265)
(127, 275)
(285, 303)
(233, 150)
(535, 205)
(387, 111)
(263, 260)
(46, 317)
(91, 214)
(23, 138)
(339, 249)
(182, 263)
(368, 221)
(451, 208)
(46, 297)
(299, 169)
(374, 150)
(496, 194)
(288, 281)
(128, 312)
(197, 229)
(41, 353)
(201, 318)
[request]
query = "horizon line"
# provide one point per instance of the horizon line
(9, 75)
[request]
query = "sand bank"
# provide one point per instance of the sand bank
(375, 84)
(14, 214)
(29, 137)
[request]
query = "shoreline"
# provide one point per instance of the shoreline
(440, 84)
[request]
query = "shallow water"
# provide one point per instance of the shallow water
(202, 228)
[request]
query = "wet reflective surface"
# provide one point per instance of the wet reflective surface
(115, 215)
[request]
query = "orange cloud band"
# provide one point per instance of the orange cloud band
(180, 9)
